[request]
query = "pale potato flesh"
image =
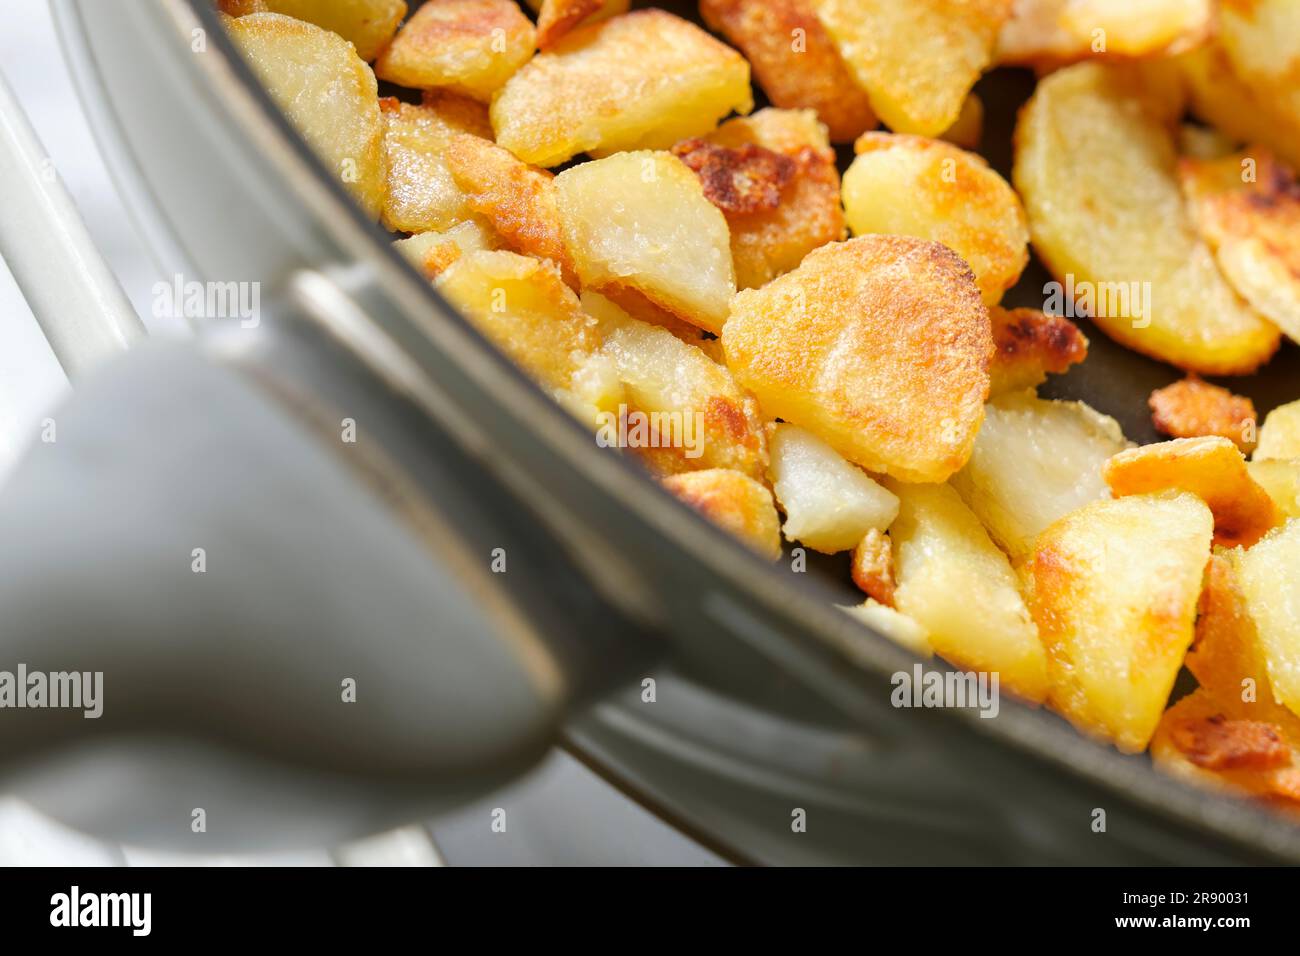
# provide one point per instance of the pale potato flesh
(432, 252)
(422, 194)
(916, 60)
(326, 91)
(1111, 218)
(367, 24)
(955, 583)
(736, 503)
(914, 186)
(893, 624)
(1125, 28)
(640, 220)
(1280, 477)
(1114, 589)
(1033, 462)
(1247, 114)
(1279, 436)
(879, 345)
(1269, 575)
(643, 80)
(829, 504)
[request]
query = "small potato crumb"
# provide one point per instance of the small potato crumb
(1028, 344)
(1192, 408)
(873, 567)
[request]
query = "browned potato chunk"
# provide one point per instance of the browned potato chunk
(467, 46)
(1028, 344)
(643, 80)
(1046, 33)
(918, 60)
(558, 18)
(873, 567)
(1211, 468)
(517, 199)
(879, 345)
(1114, 589)
(734, 502)
(794, 60)
(1191, 408)
(1247, 207)
(367, 24)
(1111, 224)
(696, 399)
(327, 92)
(422, 195)
(913, 186)
(640, 221)
(1279, 436)
(768, 242)
(432, 252)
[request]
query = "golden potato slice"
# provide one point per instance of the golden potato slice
(888, 622)
(955, 583)
(873, 566)
(643, 80)
(690, 395)
(326, 91)
(1269, 576)
(1191, 408)
(640, 220)
(432, 252)
(1124, 28)
(1211, 468)
(421, 194)
(918, 60)
(517, 199)
(367, 24)
(1114, 589)
(1033, 462)
(1028, 344)
(734, 502)
(913, 186)
(879, 345)
(524, 307)
(1110, 223)
(558, 18)
(1280, 477)
(829, 504)
(1247, 207)
(768, 242)
(1279, 436)
(467, 46)
(794, 60)
(967, 130)
(1262, 41)
(1246, 113)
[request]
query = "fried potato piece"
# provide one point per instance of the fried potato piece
(797, 70)
(1279, 436)
(879, 345)
(913, 186)
(1114, 589)
(769, 243)
(640, 220)
(967, 130)
(1269, 577)
(1262, 41)
(1220, 97)
(643, 80)
(432, 252)
(917, 61)
(1280, 477)
(1128, 29)
(1247, 207)
(517, 199)
(618, 305)
(467, 46)
(558, 18)
(1191, 408)
(955, 583)
(734, 502)
(367, 24)
(1033, 35)
(326, 91)
(873, 566)
(737, 179)
(1035, 461)
(1111, 224)
(1028, 344)
(1211, 468)
(829, 504)
(717, 425)
(422, 195)
(890, 623)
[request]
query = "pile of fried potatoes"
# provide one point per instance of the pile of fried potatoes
(824, 358)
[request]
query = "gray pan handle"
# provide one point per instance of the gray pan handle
(290, 638)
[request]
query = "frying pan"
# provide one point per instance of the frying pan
(370, 561)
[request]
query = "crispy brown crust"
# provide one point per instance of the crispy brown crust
(559, 17)
(1028, 344)
(743, 179)
(1192, 408)
(873, 567)
(1217, 743)
(734, 502)
(811, 78)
